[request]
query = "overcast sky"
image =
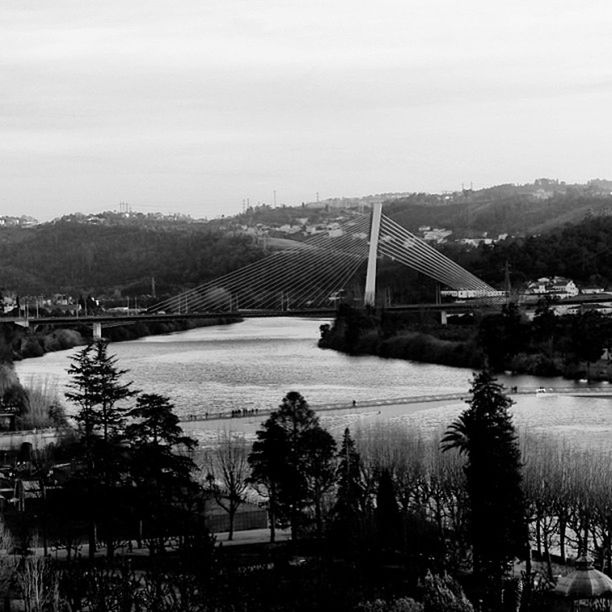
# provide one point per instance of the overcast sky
(195, 105)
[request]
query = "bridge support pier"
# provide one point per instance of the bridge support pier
(443, 317)
(97, 331)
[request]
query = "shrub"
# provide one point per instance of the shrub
(43, 408)
(444, 594)
(403, 604)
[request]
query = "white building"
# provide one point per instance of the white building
(558, 286)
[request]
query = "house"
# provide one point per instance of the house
(591, 290)
(558, 286)
(8, 301)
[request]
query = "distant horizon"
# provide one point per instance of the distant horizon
(194, 106)
(145, 208)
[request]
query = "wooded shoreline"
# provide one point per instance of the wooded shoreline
(23, 343)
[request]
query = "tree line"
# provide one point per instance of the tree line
(381, 518)
(546, 345)
(95, 258)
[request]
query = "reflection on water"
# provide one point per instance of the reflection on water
(255, 363)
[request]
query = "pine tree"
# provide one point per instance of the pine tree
(484, 433)
(96, 387)
(349, 498)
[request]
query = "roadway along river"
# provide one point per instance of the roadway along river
(252, 365)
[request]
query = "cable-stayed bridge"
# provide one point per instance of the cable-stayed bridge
(315, 273)
(306, 278)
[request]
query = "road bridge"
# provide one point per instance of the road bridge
(106, 319)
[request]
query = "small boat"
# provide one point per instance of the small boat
(540, 391)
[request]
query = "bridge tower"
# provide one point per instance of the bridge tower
(369, 298)
(97, 330)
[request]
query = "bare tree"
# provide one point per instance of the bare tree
(38, 584)
(227, 473)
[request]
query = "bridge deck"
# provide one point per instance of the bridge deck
(373, 403)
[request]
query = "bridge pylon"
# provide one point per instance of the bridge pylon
(369, 296)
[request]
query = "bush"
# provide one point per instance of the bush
(403, 604)
(43, 408)
(444, 594)
(62, 339)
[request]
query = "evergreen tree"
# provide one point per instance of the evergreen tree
(387, 514)
(484, 433)
(349, 499)
(347, 510)
(96, 387)
(290, 458)
(163, 476)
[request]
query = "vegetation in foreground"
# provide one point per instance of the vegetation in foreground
(379, 520)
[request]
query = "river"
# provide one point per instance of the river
(253, 364)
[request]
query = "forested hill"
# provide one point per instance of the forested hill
(504, 209)
(581, 251)
(68, 256)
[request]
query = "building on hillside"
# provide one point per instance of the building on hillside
(470, 294)
(591, 290)
(8, 300)
(436, 234)
(476, 241)
(557, 286)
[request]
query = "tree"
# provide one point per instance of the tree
(484, 433)
(588, 337)
(349, 497)
(388, 520)
(291, 458)
(97, 389)
(545, 322)
(164, 477)
(502, 335)
(320, 469)
(228, 472)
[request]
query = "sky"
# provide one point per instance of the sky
(194, 106)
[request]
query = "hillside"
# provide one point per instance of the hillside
(580, 251)
(118, 254)
(520, 210)
(69, 256)
(516, 210)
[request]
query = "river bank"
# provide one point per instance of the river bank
(18, 343)
(505, 342)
